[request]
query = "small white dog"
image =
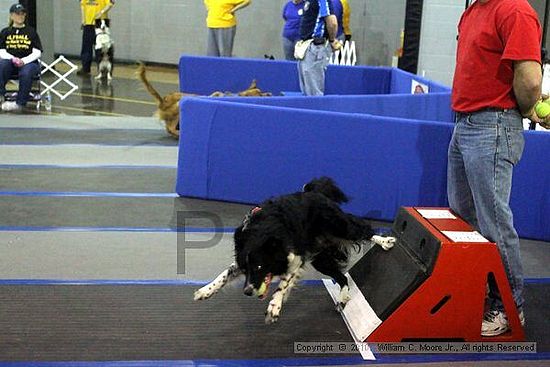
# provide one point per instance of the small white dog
(104, 42)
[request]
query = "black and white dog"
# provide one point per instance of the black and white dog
(104, 45)
(283, 234)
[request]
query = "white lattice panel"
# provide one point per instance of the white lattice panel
(60, 77)
(344, 56)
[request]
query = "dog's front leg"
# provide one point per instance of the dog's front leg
(214, 286)
(385, 242)
(288, 281)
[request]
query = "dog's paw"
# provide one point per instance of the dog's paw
(204, 293)
(344, 295)
(385, 242)
(343, 298)
(274, 308)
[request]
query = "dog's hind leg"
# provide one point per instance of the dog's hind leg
(288, 281)
(214, 286)
(335, 222)
(351, 227)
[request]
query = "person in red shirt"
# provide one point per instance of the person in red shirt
(497, 82)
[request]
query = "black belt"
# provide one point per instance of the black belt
(319, 40)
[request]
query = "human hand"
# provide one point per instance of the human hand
(542, 120)
(336, 45)
(17, 62)
(546, 120)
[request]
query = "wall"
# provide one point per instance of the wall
(538, 5)
(4, 12)
(376, 27)
(160, 31)
(44, 19)
(438, 38)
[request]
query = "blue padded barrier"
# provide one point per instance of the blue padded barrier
(530, 199)
(431, 107)
(401, 82)
(345, 80)
(248, 149)
(205, 75)
(247, 153)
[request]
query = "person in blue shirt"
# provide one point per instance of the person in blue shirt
(292, 13)
(318, 29)
(342, 12)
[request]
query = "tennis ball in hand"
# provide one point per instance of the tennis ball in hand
(542, 109)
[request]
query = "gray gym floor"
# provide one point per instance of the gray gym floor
(94, 271)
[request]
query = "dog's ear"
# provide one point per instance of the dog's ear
(326, 186)
(239, 238)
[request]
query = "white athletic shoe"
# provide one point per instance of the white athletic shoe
(10, 106)
(496, 323)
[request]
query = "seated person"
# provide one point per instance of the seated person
(20, 49)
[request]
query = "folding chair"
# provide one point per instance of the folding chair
(35, 93)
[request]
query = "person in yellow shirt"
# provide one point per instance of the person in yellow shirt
(92, 11)
(222, 25)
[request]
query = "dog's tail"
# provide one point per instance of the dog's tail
(141, 74)
(327, 187)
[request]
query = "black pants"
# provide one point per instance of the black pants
(87, 51)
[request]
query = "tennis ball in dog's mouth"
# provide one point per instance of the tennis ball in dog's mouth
(542, 109)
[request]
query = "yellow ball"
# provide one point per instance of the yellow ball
(263, 287)
(542, 109)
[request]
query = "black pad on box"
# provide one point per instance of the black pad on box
(387, 278)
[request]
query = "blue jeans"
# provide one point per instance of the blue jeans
(483, 150)
(288, 49)
(26, 74)
(311, 70)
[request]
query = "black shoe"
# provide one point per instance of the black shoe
(82, 72)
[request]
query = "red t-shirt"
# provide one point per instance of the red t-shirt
(490, 37)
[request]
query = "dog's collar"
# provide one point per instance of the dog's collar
(248, 216)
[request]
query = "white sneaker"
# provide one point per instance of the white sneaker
(496, 323)
(11, 106)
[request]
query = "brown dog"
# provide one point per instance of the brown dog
(251, 91)
(168, 106)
